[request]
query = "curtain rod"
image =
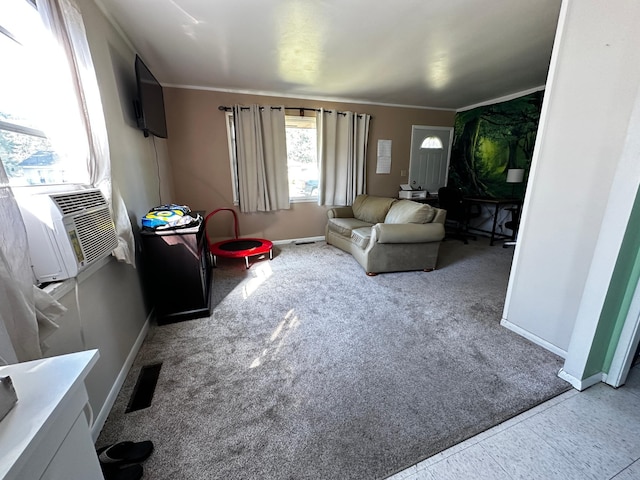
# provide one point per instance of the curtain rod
(301, 109)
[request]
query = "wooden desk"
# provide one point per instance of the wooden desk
(497, 203)
(429, 199)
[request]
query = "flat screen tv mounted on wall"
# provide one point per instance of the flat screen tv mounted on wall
(149, 105)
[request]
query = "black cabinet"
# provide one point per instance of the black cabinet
(178, 273)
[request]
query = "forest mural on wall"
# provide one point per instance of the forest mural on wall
(491, 139)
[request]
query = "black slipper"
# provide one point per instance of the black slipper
(129, 472)
(124, 453)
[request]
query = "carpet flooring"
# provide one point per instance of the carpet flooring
(309, 369)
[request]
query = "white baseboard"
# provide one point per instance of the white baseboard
(101, 418)
(581, 384)
(534, 338)
(299, 240)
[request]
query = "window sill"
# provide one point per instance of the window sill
(291, 200)
(51, 188)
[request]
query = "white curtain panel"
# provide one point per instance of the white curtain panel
(360, 141)
(261, 153)
(85, 125)
(27, 314)
(342, 154)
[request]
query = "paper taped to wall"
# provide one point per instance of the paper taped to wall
(384, 157)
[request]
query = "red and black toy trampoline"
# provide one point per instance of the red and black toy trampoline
(237, 247)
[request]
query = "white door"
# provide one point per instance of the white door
(429, 160)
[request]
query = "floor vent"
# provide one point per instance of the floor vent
(145, 386)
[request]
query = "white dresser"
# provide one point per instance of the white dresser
(46, 434)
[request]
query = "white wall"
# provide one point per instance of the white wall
(108, 314)
(139, 165)
(592, 85)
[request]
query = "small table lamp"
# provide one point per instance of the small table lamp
(515, 175)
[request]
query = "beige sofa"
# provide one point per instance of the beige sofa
(387, 235)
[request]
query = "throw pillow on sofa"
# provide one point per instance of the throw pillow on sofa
(371, 209)
(406, 211)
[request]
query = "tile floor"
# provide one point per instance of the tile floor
(593, 434)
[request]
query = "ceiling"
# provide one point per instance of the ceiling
(446, 54)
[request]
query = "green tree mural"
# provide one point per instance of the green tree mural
(491, 139)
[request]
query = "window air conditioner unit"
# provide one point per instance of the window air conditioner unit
(67, 232)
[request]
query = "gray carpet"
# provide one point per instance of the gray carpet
(309, 369)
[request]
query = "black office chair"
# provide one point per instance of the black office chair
(513, 226)
(459, 213)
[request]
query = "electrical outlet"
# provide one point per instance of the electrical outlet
(403, 173)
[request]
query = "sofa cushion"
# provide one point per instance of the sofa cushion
(406, 211)
(361, 236)
(408, 232)
(344, 226)
(371, 209)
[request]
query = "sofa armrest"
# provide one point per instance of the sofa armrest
(340, 212)
(440, 216)
(407, 232)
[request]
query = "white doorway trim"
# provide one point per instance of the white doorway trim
(627, 344)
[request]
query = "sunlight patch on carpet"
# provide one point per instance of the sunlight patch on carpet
(260, 275)
(280, 333)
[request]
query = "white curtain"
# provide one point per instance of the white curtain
(27, 314)
(261, 154)
(342, 154)
(86, 129)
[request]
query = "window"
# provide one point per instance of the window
(432, 142)
(231, 138)
(302, 158)
(31, 94)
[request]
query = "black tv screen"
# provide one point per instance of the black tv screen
(150, 102)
